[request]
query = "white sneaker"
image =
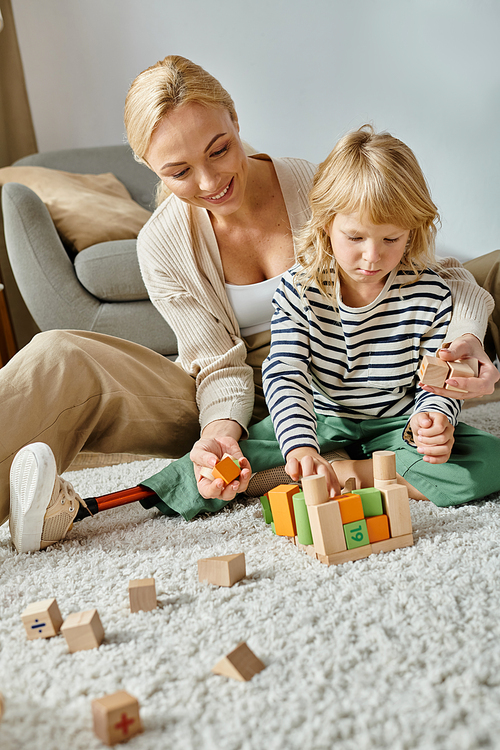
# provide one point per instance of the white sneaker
(42, 505)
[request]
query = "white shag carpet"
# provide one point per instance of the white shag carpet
(399, 650)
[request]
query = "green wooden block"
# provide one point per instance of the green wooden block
(356, 534)
(372, 501)
(272, 527)
(304, 535)
(266, 509)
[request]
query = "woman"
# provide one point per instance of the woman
(211, 256)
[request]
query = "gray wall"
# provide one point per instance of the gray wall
(301, 74)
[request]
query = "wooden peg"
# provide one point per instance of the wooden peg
(384, 466)
(315, 489)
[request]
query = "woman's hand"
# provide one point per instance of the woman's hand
(433, 436)
(463, 348)
(304, 462)
(218, 438)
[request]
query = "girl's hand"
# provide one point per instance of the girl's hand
(462, 348)
(433, 435)
(304, 462)
(207, 451)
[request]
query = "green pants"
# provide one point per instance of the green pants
(471, 473)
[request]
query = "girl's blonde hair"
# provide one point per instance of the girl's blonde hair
(377, 177)
(159, 90)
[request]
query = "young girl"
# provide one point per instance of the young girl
(353, 319)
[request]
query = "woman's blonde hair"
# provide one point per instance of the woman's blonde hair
(377, 177)
(159, 90)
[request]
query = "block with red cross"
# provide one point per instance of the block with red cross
(116, 717)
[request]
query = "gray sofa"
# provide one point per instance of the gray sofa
(100, 289)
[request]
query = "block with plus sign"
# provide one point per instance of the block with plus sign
(116, 717)
(42, 619)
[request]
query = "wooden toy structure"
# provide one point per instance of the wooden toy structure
(116, 717)
(434, 371)
(348, 527)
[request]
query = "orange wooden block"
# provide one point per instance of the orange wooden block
(351, 507)
(142, 594)
(226, 469)
(378, 528)
(240, 664)
(281, 501)
(42, 619)
(83, 630)
(116, 717)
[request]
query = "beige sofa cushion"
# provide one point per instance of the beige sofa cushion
(85, 208)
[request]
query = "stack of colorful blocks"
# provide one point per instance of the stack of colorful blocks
(347, 527)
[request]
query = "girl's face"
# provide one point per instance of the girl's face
(365, 254)
(196, 151)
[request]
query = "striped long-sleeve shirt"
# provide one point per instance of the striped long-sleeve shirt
(357, 363)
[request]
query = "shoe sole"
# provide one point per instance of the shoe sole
(32, 477)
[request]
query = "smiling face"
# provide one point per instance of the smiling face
(365, 254)
(197, 153)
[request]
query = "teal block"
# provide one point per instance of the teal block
(266, 509)
(356, 534)
(304, 535)
(372, 501)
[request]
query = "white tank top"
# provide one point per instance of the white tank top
(252, 304)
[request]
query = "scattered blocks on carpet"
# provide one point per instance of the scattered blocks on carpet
(83, 630)
(142, 594)
(42, 619)
(350, 526)
(240, 664)
(222, 571)
(116, 717)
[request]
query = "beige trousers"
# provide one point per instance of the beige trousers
(76, 391)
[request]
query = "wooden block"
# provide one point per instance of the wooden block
(222, 571)
(142, 594)
(473, 363)
(356, 534)
(116, 717)
(395, 542)
(351, 507)
(2, 706)
(227, 469)
(83, 630)
(378, 528)
(326, 528)
(371, 500)
(433, 371)
(349, 486)
(281, 501)
(459, 370)
(266, 509)
(42, 619)
(207, 473)
(384, 465)
(240, 664)
(315, 489)
(349, 555)
(302, 523)
(397, 507)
